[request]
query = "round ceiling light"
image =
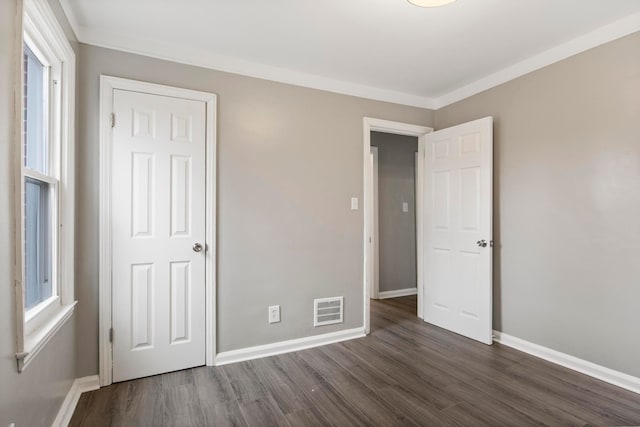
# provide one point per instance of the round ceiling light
(430, 3)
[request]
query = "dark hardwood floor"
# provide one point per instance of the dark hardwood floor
(404, 373)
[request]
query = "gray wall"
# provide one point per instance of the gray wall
(396, 229)
(32, 398)
(64, 23)
(567, 203)
(289, 160)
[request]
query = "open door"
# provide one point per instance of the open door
(458, 229)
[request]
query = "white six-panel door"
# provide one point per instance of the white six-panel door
(158, 219)
(458, 229)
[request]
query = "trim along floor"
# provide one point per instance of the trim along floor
(405, 372)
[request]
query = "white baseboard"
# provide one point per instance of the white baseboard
(79, 386)
(281, 347)
(397, 293)
(608, 375)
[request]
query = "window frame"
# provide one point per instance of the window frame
(37, 314)
(42, 33)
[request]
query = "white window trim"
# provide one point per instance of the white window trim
(33, 334)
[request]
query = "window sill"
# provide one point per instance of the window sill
(36, 340)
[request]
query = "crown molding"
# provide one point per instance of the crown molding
(203, 58)
(615, 30)
(206, 59)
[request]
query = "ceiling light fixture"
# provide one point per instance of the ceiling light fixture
(430, 3)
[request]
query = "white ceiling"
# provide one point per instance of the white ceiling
(381, 49)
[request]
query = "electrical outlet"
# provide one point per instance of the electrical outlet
(274, 314)
(405, 207)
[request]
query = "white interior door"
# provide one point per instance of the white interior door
(458, 229)
(158, 219)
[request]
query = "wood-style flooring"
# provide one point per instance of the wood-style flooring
(404, 373)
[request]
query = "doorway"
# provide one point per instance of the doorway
(394, 215)
(372, 256)
(157, 229)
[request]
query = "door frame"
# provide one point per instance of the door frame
(397, 128)
(107, 86)
(374, 219)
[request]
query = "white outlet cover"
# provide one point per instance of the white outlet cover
(405, 207)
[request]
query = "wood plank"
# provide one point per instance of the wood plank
(263, 412)
(213, 385)
(182, 406)
(225, 414)
(284, 391)
(244, 382)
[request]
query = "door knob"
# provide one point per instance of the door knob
(197, 247)
(482, 243)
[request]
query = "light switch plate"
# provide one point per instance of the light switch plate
(274, 314)
(354, 203)
(405, 207)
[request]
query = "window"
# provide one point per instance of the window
(44, 182)
(40, 199)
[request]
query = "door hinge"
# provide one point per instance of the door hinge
(111, 335)
(113, 120)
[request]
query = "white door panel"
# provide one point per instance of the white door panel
(458, 214)
(158, 214)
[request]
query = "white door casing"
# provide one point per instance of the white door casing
(368, 231)
(419, 180)
(458, 186)
(374, 223)
(157, 216)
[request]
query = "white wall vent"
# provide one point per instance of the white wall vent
(327, 311)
